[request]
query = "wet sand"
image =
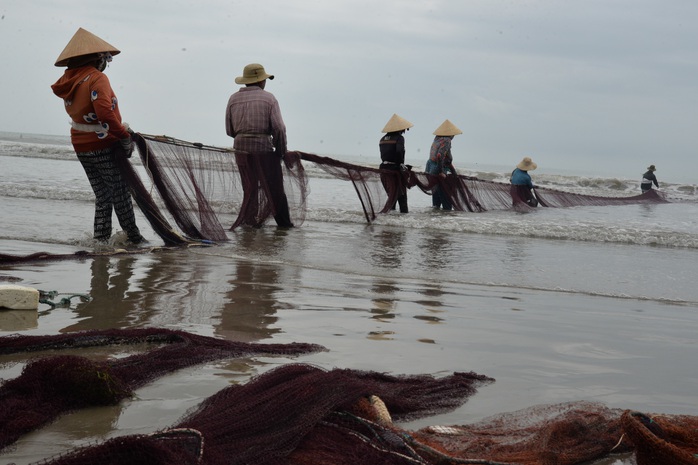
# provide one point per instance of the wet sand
(541, 346)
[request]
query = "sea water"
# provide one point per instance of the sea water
(644, 251)
(559, 304)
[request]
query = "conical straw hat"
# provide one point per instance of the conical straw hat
(447, 128)
(397, 123)
(84, 43)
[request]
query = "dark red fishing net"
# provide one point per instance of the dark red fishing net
(376, 195)
(200, 190)
(662, 439)
(560, 434)
(9, 259)
(50, 386)
(271, 188)
(302, 415)
(201, 185)
(298, 414)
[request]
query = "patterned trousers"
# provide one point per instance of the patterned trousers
(111, 193)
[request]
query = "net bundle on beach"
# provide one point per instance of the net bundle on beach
(298, 414)
(662, 439)
(295, 414)
(53, 385)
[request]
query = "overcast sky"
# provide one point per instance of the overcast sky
(608, 86)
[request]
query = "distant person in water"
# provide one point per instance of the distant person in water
(392, 150)
(440, 162)
(97, 133)
(522, 184)
(648, 179)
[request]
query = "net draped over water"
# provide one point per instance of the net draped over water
(199, 185)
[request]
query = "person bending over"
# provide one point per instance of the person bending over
(648, 179)
(522, 184)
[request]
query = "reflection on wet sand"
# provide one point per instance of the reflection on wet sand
(249, 313)
(385, 302)
(251, 298)
(18, 320)
(236, 297)
(516, 255)
(435, 249)
(386, 252)
(112, 305)
(388, 248)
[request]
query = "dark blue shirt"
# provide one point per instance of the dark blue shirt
(521, 178)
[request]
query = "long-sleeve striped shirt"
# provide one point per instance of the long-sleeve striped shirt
(253, 118)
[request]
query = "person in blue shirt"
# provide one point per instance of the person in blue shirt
(522, 184)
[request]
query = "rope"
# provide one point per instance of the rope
(47, 297)
(402, 440)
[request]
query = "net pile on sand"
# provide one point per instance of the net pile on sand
(53, 385)
(299, 414)
(662, 439)
(295, 414)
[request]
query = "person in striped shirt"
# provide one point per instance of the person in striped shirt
(253, 119)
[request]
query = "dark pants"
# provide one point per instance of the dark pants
(388, 181)
(111, 194)
(262, 171)
(523, 194)
(440, 199)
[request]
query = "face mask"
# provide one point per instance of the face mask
(104, 59)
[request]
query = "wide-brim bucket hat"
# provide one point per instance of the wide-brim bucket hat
(526, 164)
(651, 168)
(396, 123)
(447, 128)
(84, 43)
(252, 73)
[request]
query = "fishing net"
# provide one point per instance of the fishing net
(560, 434)
(662, 439)
(298, 414)
(200, 192)
(201, 186)
(10, 259)
(50, 386)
